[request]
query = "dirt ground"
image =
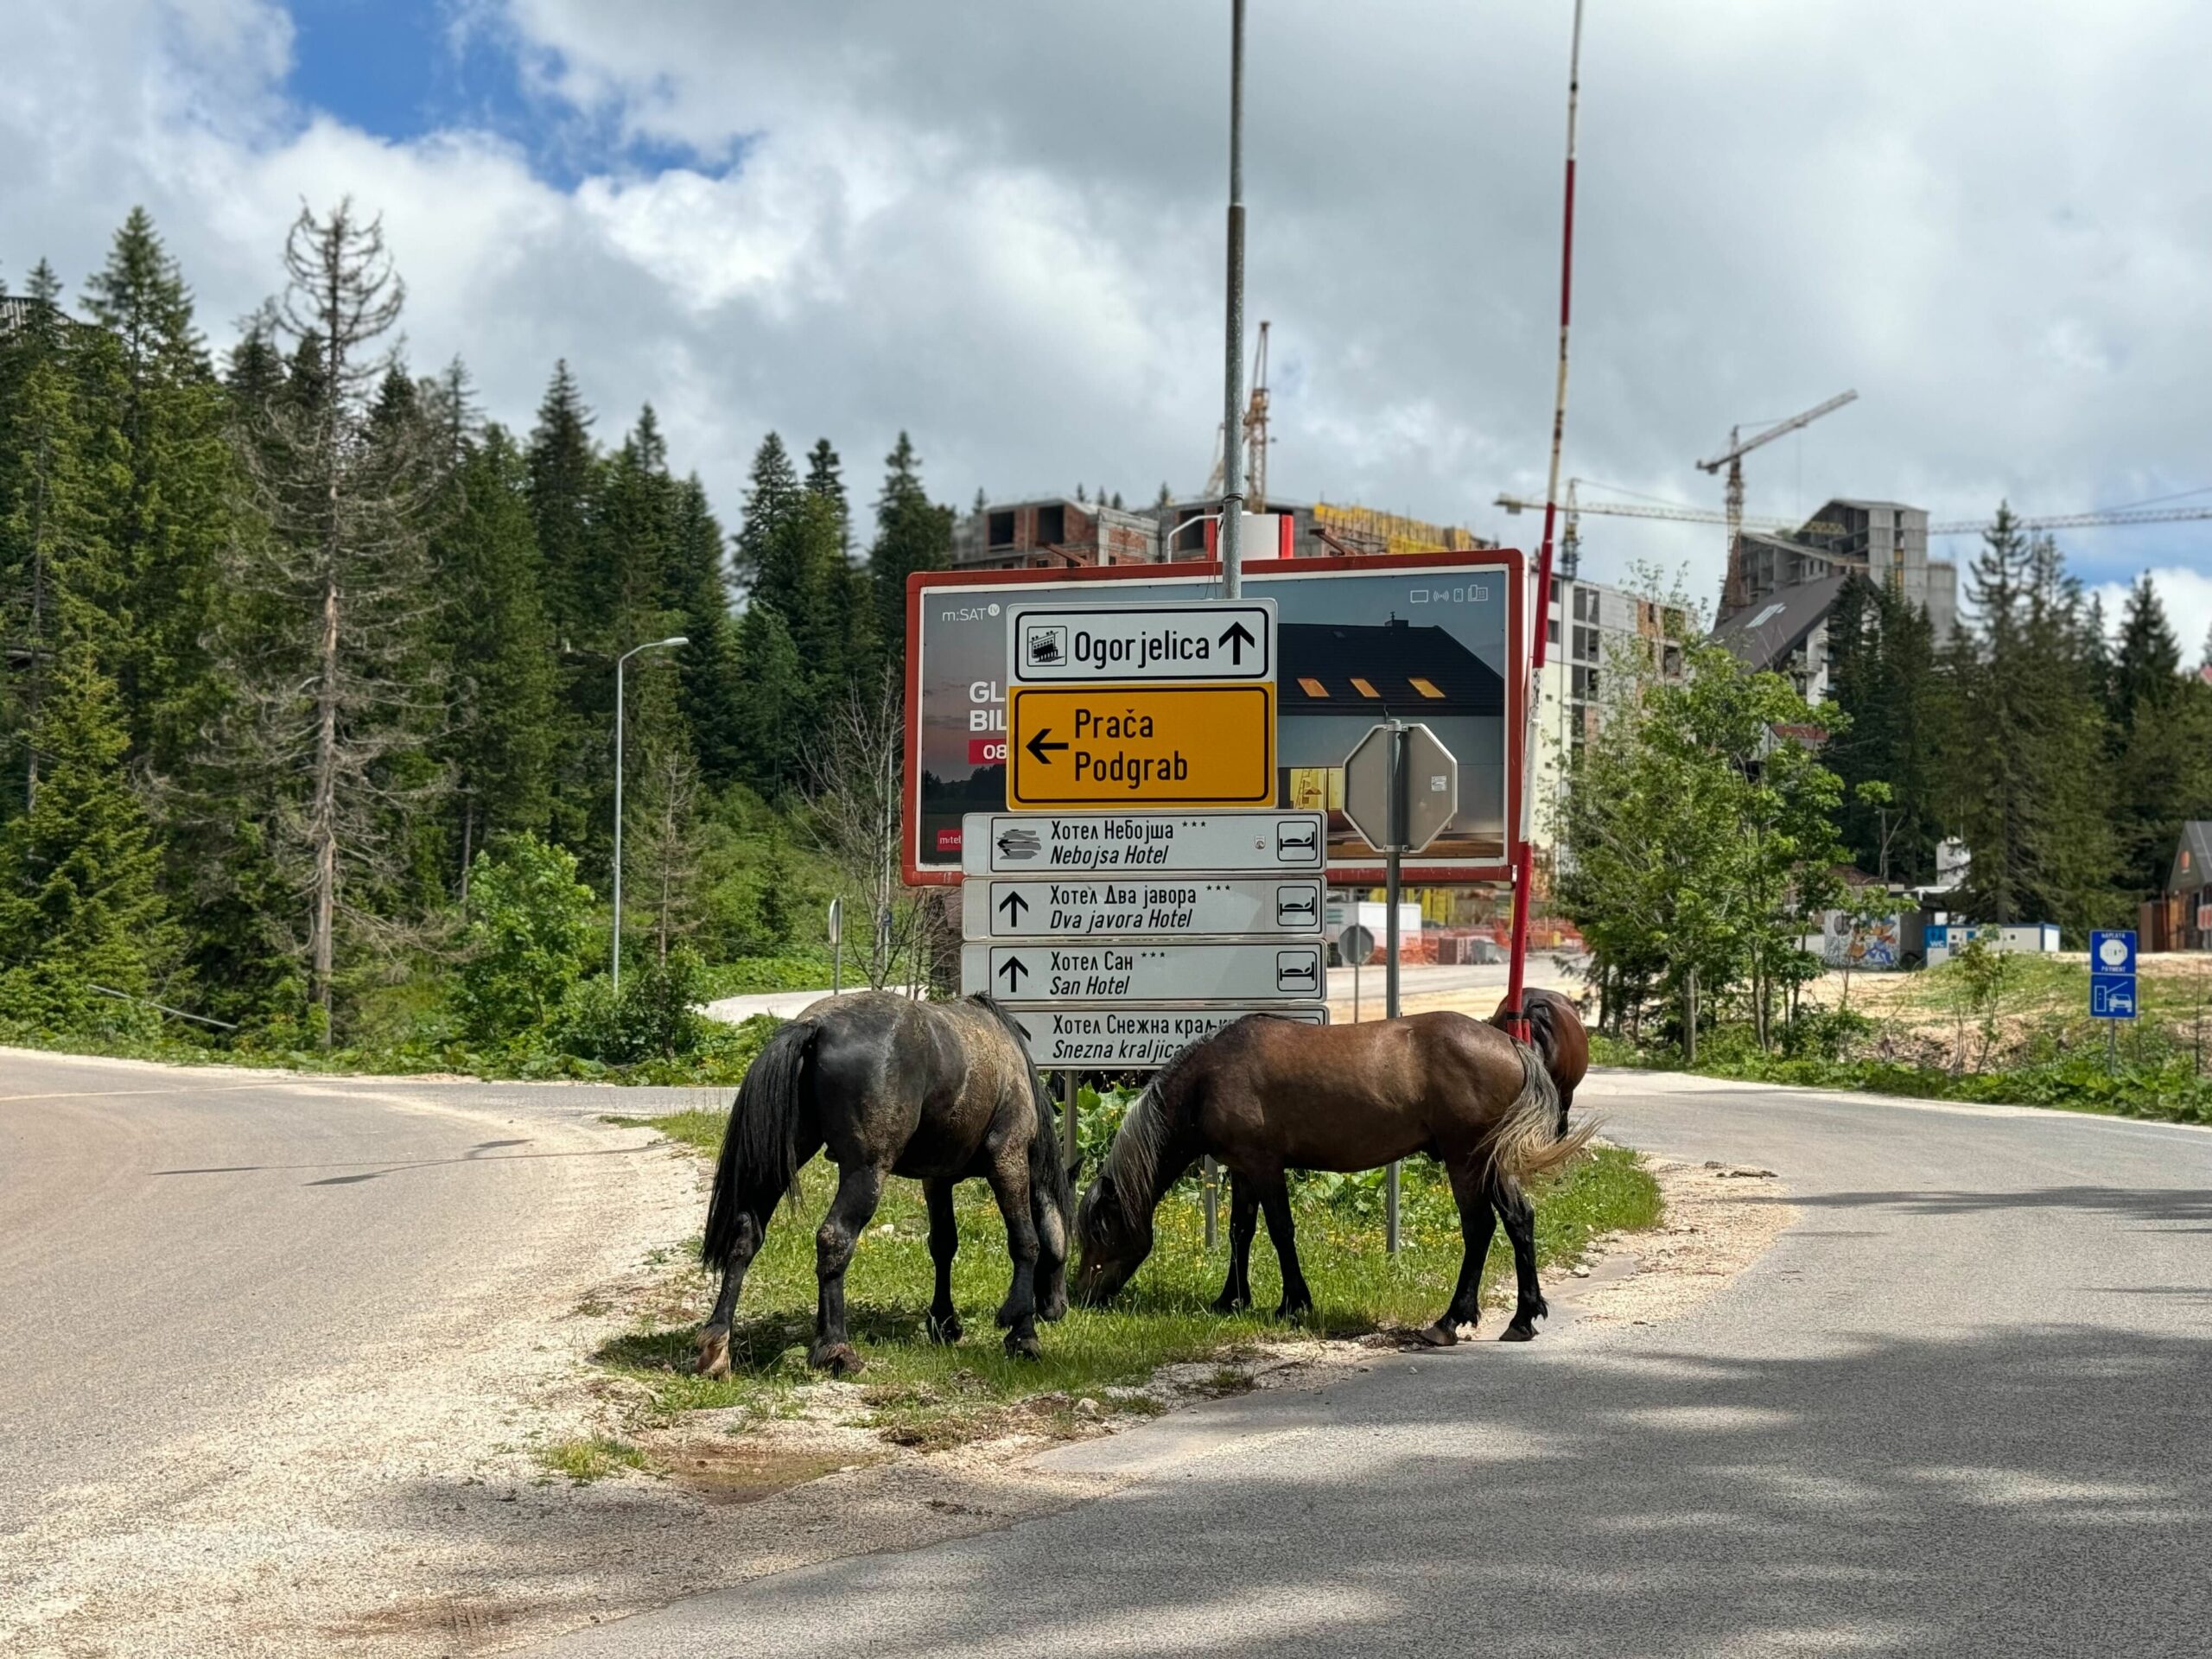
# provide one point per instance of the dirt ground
(412, 1514)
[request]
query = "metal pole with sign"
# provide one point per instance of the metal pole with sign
(2112, 985)
(1401, 787)
(837, 947)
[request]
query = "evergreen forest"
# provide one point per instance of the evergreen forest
(306, 725)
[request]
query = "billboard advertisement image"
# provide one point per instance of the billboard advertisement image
(1429, 638)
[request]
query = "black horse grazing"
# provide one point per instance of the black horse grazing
(940, 1090)
(1265, 1095)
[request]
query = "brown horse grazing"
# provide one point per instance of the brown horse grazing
(940, 1090)
(1556, 1030)
(1265, 1095)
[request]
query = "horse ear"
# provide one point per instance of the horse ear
(1075, 1171)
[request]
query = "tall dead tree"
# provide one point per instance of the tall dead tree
(329, 643)
(857, 775)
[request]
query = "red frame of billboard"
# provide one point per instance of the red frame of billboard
(1516, 687)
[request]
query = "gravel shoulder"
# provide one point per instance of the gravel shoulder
(395, 1501)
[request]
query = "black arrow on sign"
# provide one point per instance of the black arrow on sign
(1037, 746)
(1236, 639)
(1014, 969)
(1014, 904)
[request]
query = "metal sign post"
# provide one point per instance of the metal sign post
(1385, 805)
(2112, 985)
(837, 947)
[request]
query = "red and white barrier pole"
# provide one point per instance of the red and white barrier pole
(1523, 852)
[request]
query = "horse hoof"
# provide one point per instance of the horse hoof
(1518, 1333)
(1439, 1334)
(838, 1359)
(1231, 1304)
(946, 1330)
(1021, 1347)
(1294, 1313)
(713, 1353)
(1055, 1310)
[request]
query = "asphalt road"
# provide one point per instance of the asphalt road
(178, 1246)
(1960, 1407)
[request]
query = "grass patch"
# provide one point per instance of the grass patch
(920, 1394)
(585, 1461)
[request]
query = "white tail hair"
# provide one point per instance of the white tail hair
(1527, 1142)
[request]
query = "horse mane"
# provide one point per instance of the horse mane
(1133, 1160)
(1046, 1172)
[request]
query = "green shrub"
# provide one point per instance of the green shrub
(652, 1018)
(528, 921)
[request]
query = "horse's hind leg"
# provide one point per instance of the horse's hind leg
(1243, 1222)
(1478, 1225)
(1009, 1178)
(1297, 1300)
(944, 1243)
(1520, 1217)
(858, 1190)
(713, 1337)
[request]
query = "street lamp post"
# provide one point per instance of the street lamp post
(650, 644)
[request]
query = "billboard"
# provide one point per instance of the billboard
(1436, 638)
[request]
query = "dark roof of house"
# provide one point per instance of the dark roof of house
(2192, 866)
(1770, 630)
(1321, 662)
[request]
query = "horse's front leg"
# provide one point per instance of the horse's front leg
(1009, 1178)
(1243, 1222)
(1520, 1218)
(858, 1191)
(714, 1338)
(944, 1243)
(1297, 1300)
(1478, 1225)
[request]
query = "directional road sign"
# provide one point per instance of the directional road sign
(1132, 1037)
(1151, 643)
(1430, 783)
(2112, 975)
(1144, 906)
(1154, 843)
(1141, 746)
(1057, 972)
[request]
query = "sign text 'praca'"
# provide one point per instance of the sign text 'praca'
(1141, 746)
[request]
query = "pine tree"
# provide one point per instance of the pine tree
(502, 726)
(2160, 741)
(167, 528)
(335, 695)
(771, 498)
(2147, 668)
(1883, 676)
(698, 595)
(79, 901)
(564, 478)
(773, 722)
(911, 534)
(2030, 772)
(56, 568)
(825, 478)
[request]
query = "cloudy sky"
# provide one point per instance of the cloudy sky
(997, 223)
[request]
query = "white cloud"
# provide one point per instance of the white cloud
(2186, 593)
(998, 225)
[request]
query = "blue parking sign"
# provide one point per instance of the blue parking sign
(2112, 974)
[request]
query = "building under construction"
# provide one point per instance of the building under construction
(1061, 532)
(1787, 585)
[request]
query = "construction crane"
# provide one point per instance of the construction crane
(2080, 520)
(1255, 437)
(1571, 538)
(1731, 591)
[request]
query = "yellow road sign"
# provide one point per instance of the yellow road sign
(1141, 746)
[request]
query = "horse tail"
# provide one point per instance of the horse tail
(1527, 1143)
(759, 1158)
(1047, 1174)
